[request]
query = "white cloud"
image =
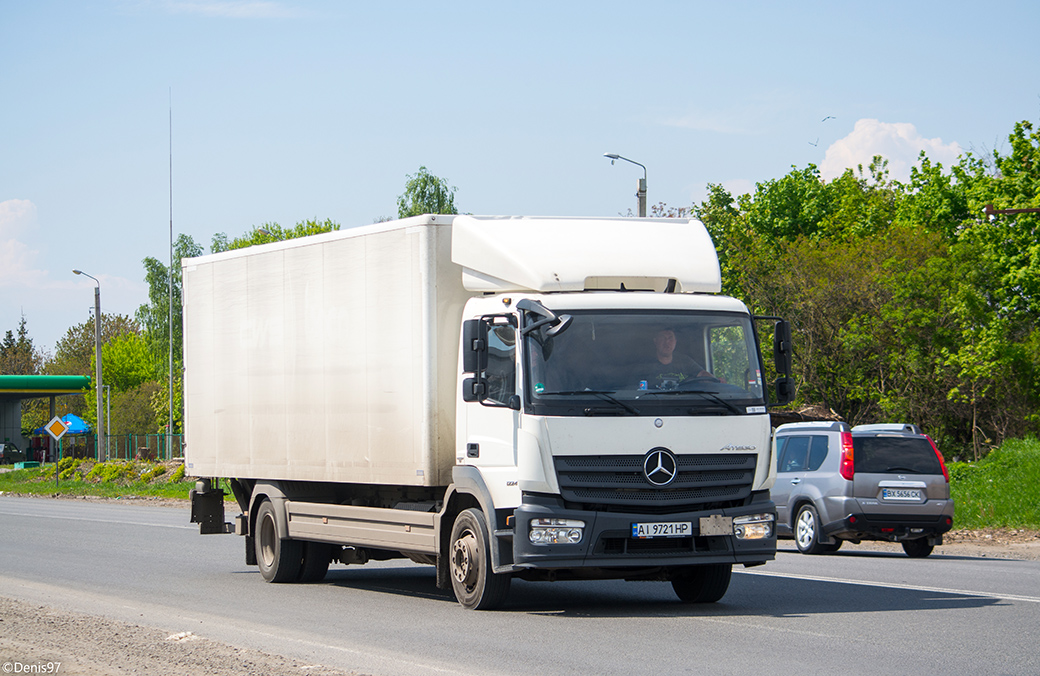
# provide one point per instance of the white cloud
(899, 143)
(15, 216)
(16, 258)
(16, 263)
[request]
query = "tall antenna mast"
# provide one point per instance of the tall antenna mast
(169, 297)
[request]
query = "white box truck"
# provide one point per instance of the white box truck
(542, 398)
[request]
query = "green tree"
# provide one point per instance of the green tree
(271, 232)
(74, 353)
(155, 316)
(133, 411)
(425, 193)
(127, 362)
(794, 205)
(1010, 244)
(18, 356)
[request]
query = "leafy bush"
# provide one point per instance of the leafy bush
(151, 474)
(178, 474)
(68, 463)
(119, 472)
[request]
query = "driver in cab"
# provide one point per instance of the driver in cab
(670, 368)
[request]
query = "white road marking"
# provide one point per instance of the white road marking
(895, 585)
(37, 515)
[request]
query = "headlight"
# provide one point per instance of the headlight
(753, 526)
(556, 531)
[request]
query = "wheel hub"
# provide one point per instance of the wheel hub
(806, 529)
(463, 560)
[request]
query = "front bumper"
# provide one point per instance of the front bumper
(607, 540)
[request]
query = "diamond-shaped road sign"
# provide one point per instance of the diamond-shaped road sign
(56, 428)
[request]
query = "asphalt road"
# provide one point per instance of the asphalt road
(852, 612)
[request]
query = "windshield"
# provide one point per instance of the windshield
(647, 363)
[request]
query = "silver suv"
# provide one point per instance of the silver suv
(870, 482)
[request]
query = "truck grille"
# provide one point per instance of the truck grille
(617, 483)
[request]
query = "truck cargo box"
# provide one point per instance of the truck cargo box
(328, 358)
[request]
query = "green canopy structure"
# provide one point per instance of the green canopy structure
(15, 389)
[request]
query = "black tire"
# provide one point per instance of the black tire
(279, 560)
(475, 585)
(917, 549)
(703, 584)
(807, 531)
(830, 549)
(316, 559)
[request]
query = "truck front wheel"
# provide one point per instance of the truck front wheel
(476, 585)
(279, 560)
(703, 584)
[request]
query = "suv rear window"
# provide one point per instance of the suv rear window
(884, 455)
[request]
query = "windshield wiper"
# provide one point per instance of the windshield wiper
(605, 395)
(707, 395)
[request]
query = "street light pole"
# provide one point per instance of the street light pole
(641, 188)
(97, 348)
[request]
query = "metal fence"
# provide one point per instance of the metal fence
(156, 447)
(143, 447)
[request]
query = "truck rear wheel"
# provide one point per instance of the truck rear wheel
(279, 560)
(476, 585)
(703, 584)
(316, 559)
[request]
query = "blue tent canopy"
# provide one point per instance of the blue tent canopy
(76, 424)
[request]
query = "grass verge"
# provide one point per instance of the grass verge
(1000, 491)
(113, 479)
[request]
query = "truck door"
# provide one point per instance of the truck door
(491, 423)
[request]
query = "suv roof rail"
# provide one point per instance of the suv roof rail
(904, 428)
(816, 425)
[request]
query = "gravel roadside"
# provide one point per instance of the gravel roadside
(37, 639)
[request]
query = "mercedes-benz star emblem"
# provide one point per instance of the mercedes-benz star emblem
(660, 466)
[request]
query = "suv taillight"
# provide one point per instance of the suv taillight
(847, 468)
(939, 455)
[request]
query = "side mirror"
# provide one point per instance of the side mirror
(782, 351)
(474, 346)
(474, 389)
(784, 390)
(782, 347)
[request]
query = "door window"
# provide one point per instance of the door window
(817, 452)
(501, 368)
(793, 458)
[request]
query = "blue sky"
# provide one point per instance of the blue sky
(286, 110)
